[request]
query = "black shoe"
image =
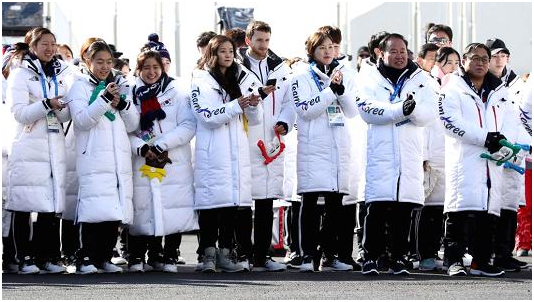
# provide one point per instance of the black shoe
(370, 268)
(293, 260)
(521, 264)
(383, 263)
(307, 264)
(398, 268)
(485, 270)
(350, 261)
(506, 264)
(457, 269)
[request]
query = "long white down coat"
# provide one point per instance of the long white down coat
(467, 121)
(103, 153)
(395, 151)
(267, 180)
(513, 185)
(166, 207)
(323, 152)
(36, 168)
(222, 162)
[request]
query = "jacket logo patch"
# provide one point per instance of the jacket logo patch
(167, 102)
(370, 110)
(447, 121)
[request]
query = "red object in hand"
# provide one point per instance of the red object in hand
(271, 157)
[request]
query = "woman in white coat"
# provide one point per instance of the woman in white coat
(323, 145)
(223, 104)
(37, 160)
(102, 119)
(163, 202)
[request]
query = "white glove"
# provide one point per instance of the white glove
(504, 154)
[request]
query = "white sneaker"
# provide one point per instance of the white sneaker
(53, 268)
(199, 266)
(271, 266)
(333, 265)
(118, 260)
(136, 268)
(170, 268)
(180, 260)
(467, 260)
(86, 267)
(307, 264)
(27, 266)
(108, 267)
(245, 264)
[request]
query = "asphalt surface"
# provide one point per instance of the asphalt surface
(187, 284)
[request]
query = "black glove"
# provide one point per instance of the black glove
(162, 158)
(283, 125)
(408, 105)
(338, 89)
(122, 103)
(492, 141)
(144, 150)
(263, 95)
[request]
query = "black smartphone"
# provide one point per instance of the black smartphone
(271, 82)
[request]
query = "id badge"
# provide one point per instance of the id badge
(335, 116)
(52, 122)
(147, 136)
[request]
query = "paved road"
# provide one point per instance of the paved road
(256, 285)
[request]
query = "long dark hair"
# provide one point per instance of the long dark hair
(443, 54)
(228, 81)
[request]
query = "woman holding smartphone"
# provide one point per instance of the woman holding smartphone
(103, 116)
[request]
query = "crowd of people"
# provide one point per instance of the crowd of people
(411, 155)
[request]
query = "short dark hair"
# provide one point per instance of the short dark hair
(237, 34)
(471, 47)
(334, 33)
(383, 43)
(374, 41)
(257, 26)
(204, 38)
(439, 27)
(313, 41)
(444, 52)
(425, 48)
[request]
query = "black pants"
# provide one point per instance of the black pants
(292, 221)
(8, 246)
(310, 221)
(217, 225)
(429, 231)
(505, 234)
(263, 229)
(40, 240)
(397, 216)
(412, 238)
(139, 245)
(480, 225)
(70, 238)
(345, 237)
(243, 232)
(98, 241)
(361, 212)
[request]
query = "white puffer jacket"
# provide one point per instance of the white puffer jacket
(357, 129)
(222, 161)
(526, 106)
(467, 121)
(394, 169)
(267, 180)
(166, 207)
(323, 152)
(36, 166)
(103, 153)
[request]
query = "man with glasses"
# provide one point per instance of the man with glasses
(476, 114)
(512, 181)
(439, 34)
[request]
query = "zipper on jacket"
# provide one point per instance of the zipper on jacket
(494, 116)
(398, 186)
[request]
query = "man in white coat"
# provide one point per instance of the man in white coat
(397, 100)
(267, 172)
(476, 113)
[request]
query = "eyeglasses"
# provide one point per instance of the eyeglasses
(500, 55)
(438, 40)
(477, 59)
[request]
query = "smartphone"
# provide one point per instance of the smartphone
(271, 82)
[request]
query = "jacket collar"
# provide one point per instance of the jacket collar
(32, 63)
(273, 60)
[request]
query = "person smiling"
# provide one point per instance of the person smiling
(102, 116)
(225, 102)
(323, 157)
(36, 164)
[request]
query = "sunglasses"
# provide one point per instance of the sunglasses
(437, 40)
